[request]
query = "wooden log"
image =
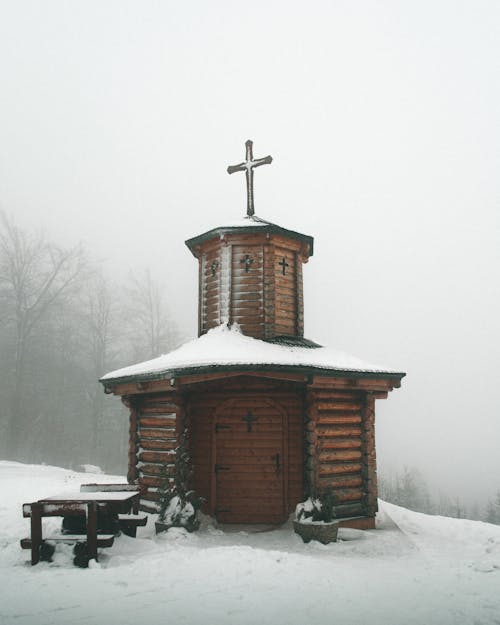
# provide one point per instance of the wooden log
(338, 406)
(166, 445)
(339, 443)
(133, 443)
(347, 495)
(157, 433)
(341, 419)
(156, 456)
(340, 482)
(326, 469)
(165, 422)
(157, 469)
(370, 473)
(339, 456)
(148, 480)
(327, 431)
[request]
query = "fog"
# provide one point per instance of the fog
(118, 120)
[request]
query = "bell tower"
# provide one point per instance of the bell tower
(250, 272)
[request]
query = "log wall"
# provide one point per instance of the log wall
(155, 421)
(340, 449)
(329, 438)
(255, 281)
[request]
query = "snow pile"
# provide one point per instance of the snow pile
(414, 569)
(227, 346)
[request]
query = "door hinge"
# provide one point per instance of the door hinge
(221, 467)
(219, 427)
(219, 510)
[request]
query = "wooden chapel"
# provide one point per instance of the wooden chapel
(270, 417)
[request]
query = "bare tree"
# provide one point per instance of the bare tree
(151, 331)
(35, 277)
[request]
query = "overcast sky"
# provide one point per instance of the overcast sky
(118, 120)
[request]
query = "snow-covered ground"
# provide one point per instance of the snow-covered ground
(414, 569)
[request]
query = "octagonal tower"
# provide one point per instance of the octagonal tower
(250, 273)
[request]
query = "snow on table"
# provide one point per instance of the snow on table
(414, 569)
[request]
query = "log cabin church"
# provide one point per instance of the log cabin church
(270, 416)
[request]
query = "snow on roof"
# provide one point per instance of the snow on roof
(227, 347)
(245, 221)
(253, 224)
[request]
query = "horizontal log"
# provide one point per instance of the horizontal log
(281, 328)
(338, 406)
(367, 384)
(156, 469)
(328, 431)
(327, 395)
(162, 401)
(340, 482)
(347, 495)
(339, 443)
(165, 445)
(156, 456)
(158, 433)
(350, 509)
(159, 412)
(152, 481)
(343, 419)
(165, 423)
(338, 456)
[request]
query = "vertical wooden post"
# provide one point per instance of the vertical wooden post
(36, 532)
(132, 472)
(92, 530)
(369, 457)
(311, 443)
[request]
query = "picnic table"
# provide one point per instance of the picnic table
(93, 503)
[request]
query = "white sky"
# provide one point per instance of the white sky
(118, 120)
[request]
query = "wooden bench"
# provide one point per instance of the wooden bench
(38, 510)
(128, 522)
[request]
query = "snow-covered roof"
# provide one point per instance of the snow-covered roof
(226, 347)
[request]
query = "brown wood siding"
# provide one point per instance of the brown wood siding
(264, 301)
(285, 292)
(247, 296)
(336, 448)
(159, 417)
(202, 408)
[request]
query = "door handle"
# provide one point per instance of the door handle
(277, 461)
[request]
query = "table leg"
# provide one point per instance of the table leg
(92, 530)
(36, 532)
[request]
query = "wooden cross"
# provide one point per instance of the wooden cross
(248, 166)
(247, 261)
(284, 265)
(249, 419)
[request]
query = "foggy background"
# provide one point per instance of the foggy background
(118, 120)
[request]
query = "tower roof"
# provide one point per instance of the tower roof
(250, 224)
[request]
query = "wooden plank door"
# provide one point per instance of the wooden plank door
(250, 462)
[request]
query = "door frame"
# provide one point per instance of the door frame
(284, 442)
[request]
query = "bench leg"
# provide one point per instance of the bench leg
(92, 530)
(36, 532)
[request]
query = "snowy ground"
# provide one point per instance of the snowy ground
(414, 569)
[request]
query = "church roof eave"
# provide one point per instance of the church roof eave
(250, 225)
(299, 369)
(226, 349)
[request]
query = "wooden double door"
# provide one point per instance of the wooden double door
(250, 461)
